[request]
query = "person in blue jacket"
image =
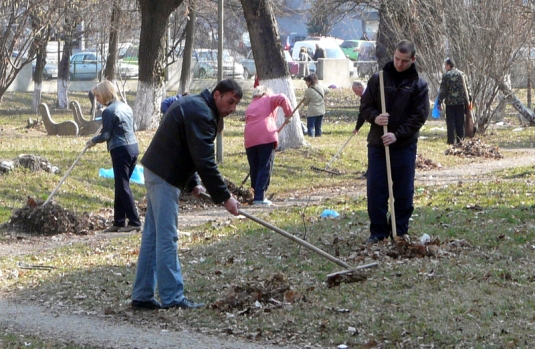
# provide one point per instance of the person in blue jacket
(119, 133)
(166, 103)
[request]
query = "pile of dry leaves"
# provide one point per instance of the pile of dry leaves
(426, 164)
(474, 147)
(254, 293)
(52, 219)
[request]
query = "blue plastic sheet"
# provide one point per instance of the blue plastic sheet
(329, 214)
(435, 113)
(137, 176)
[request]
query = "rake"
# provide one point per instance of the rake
(301, 242)
(325, 169)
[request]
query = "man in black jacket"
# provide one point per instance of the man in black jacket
(407, 108)
(181, 151)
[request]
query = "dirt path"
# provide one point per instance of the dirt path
(102, 332)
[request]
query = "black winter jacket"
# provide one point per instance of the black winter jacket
(406, 100)
(183, 146)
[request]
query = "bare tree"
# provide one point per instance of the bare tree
(154, 20)
(483, 37)
(23, 24)
(271, 67)
(185, 77)
(111, 61)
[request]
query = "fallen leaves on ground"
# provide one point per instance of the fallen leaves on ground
(254, 293)
(474, 147)
(52, 219)
(426, 164)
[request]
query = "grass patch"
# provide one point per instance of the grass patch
(478, 293)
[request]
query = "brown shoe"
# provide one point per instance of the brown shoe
(112, 229)
(129, 228)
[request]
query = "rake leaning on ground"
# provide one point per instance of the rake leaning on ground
(319, 251)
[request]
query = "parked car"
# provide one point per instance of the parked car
(351, 49)
(85, 66)
(49, 72)
(249, 66)
(331, 48)
(288, 41)
(205, 58)
(88, 65)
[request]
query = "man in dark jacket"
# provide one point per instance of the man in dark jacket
(407, 108)
(181, 151)
(318, 53)
(453, 93)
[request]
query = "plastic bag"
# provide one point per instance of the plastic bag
(329, 214)
(137, 176)
(436, 112)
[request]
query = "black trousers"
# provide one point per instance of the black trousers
(403, 166)
(124, 161)
(455, 122)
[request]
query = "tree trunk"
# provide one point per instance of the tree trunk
(154, 20)
(186, 72)
(510, 97)
(63, 76)
(111, 61)
(271, 68)
(37, 76)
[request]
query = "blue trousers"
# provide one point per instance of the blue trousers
(261, 158)
(124, 161)
(158, 262)
(403, 165)
(314, 125)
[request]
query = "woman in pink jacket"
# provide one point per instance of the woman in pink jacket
(262, 137)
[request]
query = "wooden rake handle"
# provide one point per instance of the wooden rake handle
(293, 112)
(388, 167)
(339, 151)
(69, 170)
(290, 236)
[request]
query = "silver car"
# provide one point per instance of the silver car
(231, 68)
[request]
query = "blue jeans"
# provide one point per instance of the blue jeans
(158, 258)
(403, 165)
(314, 125)
(260, 159)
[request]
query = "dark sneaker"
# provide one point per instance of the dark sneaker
(374, 239)
(129, 228)
(153, 304)
(186, 304)
(112, 229)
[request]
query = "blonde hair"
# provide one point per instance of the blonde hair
(261, 90)
(107, 91)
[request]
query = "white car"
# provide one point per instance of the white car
(331, 48)
(231, 68)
